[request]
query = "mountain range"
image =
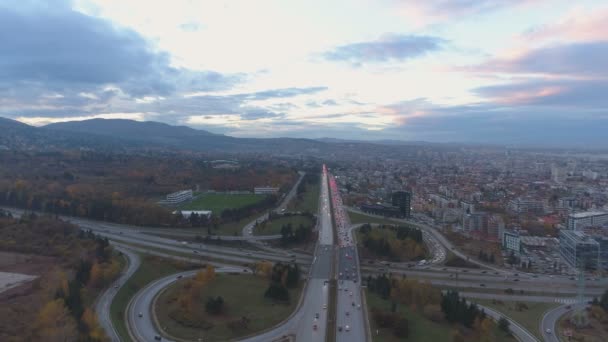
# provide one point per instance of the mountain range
(126, 134)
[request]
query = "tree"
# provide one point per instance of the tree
(214, 306)
(504, 325)
(402, 328)
(54, 323)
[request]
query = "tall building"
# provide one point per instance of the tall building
(579, 250)
(578, 221)
(402, 200)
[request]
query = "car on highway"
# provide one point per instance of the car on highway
(325, 306)
(347, 328)
(317, 315)
(140, 315)
(314, 327)
(548, 331)
(157, 338)
(340, 328)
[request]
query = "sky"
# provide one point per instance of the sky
(520, 72)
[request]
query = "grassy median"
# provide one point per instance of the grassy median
(274, 226)
(244, 301)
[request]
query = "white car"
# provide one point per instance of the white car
(347, 328)
(548, 331)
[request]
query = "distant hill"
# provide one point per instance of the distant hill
(128, 129)
(156, 134)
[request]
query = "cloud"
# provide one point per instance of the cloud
(388, 48)
(585, 59)
(433, 11)
(574, 94)
(283, 93)
(63, 50)
(578, 25)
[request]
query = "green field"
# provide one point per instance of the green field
(309, 201)
(274, 226)
(356, 218)
(151, 268)
(218, 202)
(529, 319)
(243, 296)
(420, 328)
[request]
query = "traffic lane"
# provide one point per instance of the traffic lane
(241, 257)
(316, 303)
(549, 321)
(349, 313)
(102, 306)
(321, 265)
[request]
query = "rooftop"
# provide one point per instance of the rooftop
(588, 214)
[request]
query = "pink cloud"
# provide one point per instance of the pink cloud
(578, 25)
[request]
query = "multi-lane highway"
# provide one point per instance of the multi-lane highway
(351, 314)
(102, 306)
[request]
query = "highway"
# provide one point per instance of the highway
(102, 305)
(351, 312)
(549, 321)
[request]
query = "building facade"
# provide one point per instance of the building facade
(578, 221)
(178, 197)
(579, 250)
(403, 201)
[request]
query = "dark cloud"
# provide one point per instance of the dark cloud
(501, 124)
(61, 50)
(581, 59)
(388, 48)
(259, 113)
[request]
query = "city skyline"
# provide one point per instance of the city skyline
(442, 71)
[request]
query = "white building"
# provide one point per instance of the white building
(265, 190)
(178, 197)
(188, 213)
(578, 221)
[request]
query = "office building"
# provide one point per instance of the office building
(511, 241)
(579, 221)
(403, 201)
(579, 250)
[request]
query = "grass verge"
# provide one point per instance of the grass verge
(243, 297)
(308, 201)
(356, 218)
(528, 318)
(274, 226)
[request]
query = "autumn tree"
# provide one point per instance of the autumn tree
(54, 323)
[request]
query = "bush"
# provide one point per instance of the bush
(503, 324)
(384, 319)
(215, 306)
(402, 328)
(433, 312)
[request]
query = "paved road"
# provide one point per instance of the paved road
(139, 312)
(102, 306)
(549, 321)
(351, 314)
